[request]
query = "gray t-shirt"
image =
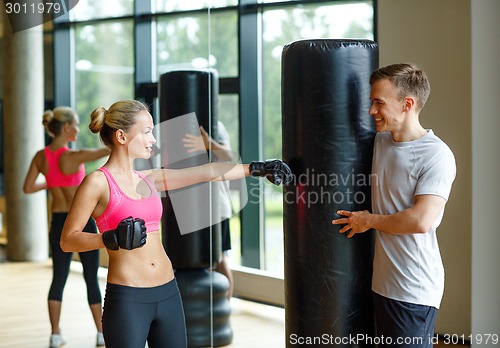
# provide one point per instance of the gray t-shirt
(408, 267)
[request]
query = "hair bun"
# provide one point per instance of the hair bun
(48, 115)
(97, 118)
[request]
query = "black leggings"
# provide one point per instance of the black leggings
(133, 315)
(61, 262)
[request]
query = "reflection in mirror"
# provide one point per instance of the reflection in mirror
(201, 34)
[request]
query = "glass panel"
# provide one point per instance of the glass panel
(104, 72)
(183, 5)
(224, 42)
(94, 9)
(280, 27)
(183, 43)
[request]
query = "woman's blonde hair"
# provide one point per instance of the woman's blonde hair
(53, 120)
(120, 115)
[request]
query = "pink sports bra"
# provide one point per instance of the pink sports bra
(120, 206)
(56, 178)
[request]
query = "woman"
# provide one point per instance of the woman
(142, 301)
(64, 171)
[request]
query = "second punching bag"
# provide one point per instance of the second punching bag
(191, 233)
(190, 230)
(328, 142)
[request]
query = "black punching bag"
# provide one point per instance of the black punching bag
(185, 92)
(328, 142)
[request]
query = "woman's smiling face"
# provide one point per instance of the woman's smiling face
(141, 136)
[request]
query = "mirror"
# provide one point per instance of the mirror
(242, 41)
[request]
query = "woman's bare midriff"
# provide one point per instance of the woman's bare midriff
(147, 266)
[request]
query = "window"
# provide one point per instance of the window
(191, 41)
(183, 5)
(104, 71)
(98, 9)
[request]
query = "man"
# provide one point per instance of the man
(412, 171)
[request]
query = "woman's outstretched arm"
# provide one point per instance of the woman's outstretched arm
(276, 171)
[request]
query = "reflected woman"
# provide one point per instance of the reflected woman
(64, 170)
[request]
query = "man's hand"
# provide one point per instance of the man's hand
(196, 143)
(355, 222)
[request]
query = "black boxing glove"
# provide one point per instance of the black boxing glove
(110, 240)
(129, 234)
(276, 171)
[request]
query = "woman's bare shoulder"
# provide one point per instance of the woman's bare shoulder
(39, 155)
(39, 160)
(95, 179)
